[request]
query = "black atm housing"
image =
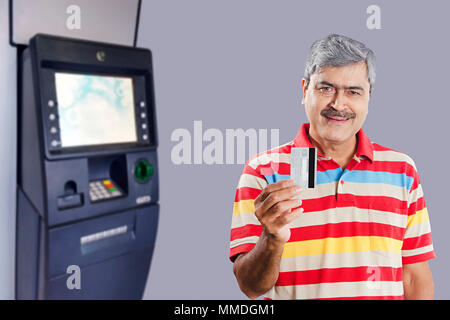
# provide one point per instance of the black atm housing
(58, 222)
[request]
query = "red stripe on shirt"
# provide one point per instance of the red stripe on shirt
(387, 166)
(332, 275)
(346, 229)
(416, 206)
(243, 248)
(417, 242)
(272, 167)
(419, 258)
(248, 230)
(348, 200)
(246, 193)
(251, 171)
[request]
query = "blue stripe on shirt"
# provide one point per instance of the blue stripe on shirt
(357, 176)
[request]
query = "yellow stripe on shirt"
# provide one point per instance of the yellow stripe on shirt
(338, 245)
(417, 218)
(244, 206)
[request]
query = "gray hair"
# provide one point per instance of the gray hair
(337, 50)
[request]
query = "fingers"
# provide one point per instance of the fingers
(274, 187)
(287, 217)
(279, 209)
(279, 200)
(273, 207)
(278, 214)
(278, 227)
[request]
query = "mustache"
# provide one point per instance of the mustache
(334, 113)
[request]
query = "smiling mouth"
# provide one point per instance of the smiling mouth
(336, 119)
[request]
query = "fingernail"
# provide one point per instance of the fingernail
(298, 189)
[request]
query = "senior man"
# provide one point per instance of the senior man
(363, 232)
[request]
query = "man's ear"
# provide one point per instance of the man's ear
(305, 84)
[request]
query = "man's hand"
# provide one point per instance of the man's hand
(257, 271)
(273, 209)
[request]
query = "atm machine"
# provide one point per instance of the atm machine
(87, 206)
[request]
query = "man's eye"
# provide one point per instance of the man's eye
(326, 89)
(354, 93)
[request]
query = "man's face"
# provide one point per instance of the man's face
(336, 101)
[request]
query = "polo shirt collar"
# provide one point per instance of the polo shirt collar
(365, 147)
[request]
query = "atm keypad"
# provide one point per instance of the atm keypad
(103, 190)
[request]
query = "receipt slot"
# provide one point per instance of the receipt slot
(88, 171)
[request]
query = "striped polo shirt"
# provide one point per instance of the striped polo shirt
(359, 225)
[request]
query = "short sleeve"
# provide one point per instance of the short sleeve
(417, 241)
(245, 227)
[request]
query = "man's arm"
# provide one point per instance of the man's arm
(257, 271)
(418, 281)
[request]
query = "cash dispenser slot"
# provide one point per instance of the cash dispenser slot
(102, 239)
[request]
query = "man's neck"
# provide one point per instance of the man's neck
(342, 153)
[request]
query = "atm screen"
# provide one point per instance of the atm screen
(95, 110)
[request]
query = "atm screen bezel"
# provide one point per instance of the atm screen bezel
(139, 94)
(50, 54)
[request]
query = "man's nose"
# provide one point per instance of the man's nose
(339, 101)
